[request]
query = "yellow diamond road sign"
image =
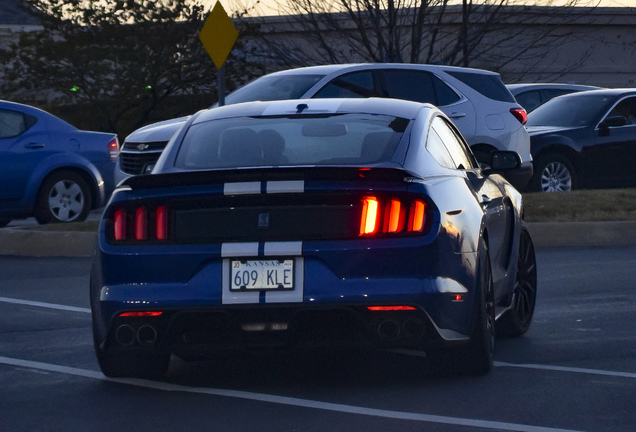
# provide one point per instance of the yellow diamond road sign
(218, 35)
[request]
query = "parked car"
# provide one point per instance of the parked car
(355, 222)
(531, 95)
(476, 101)
(50, 169)
(584, 140)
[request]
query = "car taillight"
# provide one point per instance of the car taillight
(140, 224)
(394, 216)
(113, 148)
(520, 114)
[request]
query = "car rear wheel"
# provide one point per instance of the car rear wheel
(475, 358)
(64, 197)
(518, 318)
(553, 173)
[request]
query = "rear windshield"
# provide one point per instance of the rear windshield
(490, 86)
(571, 111)
(275, 87)
(343, 139)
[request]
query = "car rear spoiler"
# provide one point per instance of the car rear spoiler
(193, 178)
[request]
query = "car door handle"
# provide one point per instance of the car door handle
(34, 146)
(457, 115)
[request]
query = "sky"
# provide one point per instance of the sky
(268, 7)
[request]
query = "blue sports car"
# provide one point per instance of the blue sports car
(50, 169)
(341, 222)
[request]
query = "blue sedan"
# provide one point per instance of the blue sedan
(50, 169)
(345, 222)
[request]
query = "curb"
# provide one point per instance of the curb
(37, 243)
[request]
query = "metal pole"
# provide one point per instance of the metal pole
(221, 85)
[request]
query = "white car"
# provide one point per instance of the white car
(477, 101)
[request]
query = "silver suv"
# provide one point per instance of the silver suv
(477, 101)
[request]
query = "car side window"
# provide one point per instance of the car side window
(353, 85)
(438, 150)
(417, 86)
(12, 123)
(529, 100)
(459, 152)
(627, 109)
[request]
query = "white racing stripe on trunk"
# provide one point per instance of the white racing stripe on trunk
(292, 186)
(242, 188)
(283, 249)
(285, 400)
(239, 249)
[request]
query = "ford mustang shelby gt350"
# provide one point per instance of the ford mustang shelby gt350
(343, 222)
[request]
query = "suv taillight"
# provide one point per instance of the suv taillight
(140, 224)
(113, 148)
(394, 216)
(520, 114)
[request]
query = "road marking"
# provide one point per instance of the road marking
(284, 400)
(568, 369)
(44, 305)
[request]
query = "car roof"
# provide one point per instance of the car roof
(617, 92)
(383, 106)
(351, 67)
(518, 88)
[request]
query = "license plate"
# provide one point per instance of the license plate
(267, 274)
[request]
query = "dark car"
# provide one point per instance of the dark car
(50, 169)
(351, 222)
(532, 95)
(584, 140)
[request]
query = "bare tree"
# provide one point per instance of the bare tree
(124, 61)
(478, 33)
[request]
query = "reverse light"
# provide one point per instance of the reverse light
(141, 314)
(113, 149)
(520, 114)
(390, 308)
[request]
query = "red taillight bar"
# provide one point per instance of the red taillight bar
(141, 314)
(119, 225)
(390, 308)
(394, 216)
(140, 224)
(162, 223)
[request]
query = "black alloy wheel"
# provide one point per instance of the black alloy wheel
(518, 318)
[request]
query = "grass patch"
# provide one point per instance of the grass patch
(581, 206)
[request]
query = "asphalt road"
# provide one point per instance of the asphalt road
(574, 370)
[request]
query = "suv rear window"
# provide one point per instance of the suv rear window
(490, 86)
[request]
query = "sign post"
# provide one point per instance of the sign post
(218, 37)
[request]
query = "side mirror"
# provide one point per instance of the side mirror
(504, 161)
(613, 121)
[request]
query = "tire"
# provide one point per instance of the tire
(4, 222)
(553, 173)
(518, 318)
(476, 357)
(63, 197)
